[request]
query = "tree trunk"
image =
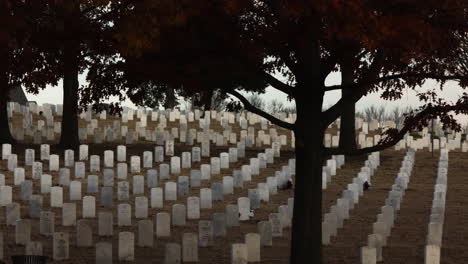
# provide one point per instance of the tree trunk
(69, 138)
(196, 102)
(171, 100)
(306, 244)
(205, 101)
(207, 97)
(347, 127)
(348, 116)
(5, 133)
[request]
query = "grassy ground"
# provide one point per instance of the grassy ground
(405, 245)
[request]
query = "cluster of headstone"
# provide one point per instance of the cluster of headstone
(363, 128)
(362, 139)
(150, 192)
(235, 214)
(249, 251)
(436, 222)
(451, 141)
(339, 212)
(40, 129)
(446, 138)
(102, 190)
(121, 130)
(246, 252)
(328, 171)
(150, 125)
(382, 228)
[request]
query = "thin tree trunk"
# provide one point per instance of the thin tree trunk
(207, 97)
(5, 133)
(205, 101)
(306, 244)
(69, 138)
(171, 99)
(348, 116)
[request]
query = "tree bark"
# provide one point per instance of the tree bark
(347, 127)
(348, 116)
(204, 101)
(69, 138)
(197, 102)
(171, 99)
(306, 244)
(207, 97)
(5, 133)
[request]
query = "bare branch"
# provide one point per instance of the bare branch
(334, 87)
(259, 112)
(394, 77)
(277, 84)
(379, 147)
(393, 136)
(362, 88)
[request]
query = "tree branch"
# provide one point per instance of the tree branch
(411, 122)
(362, 88)
(328, 66)
(394, 77)
(358, 92)
(285, 57)
(253, 109)
(333, 88)
(379, 147)
(277, 84)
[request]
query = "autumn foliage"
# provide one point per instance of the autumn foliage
(194, 47)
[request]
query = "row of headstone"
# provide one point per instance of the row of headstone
(146, 230)
(328, 171)
(246, 252)
(126, 245)
(60, 241)
(56, 192)
(217, 164)
(381, 229)
(138, 181)
(135, 161)
(242, 253)
(341, 210)
(119, 130)
(69, 209)
(173, 115)
(436, 222)
(442, 142)
(224, 118)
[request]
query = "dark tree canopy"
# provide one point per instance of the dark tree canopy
(70, 36)
(21, 64)
(238, 44)
(194, 47)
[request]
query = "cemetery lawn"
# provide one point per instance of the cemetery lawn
(405, 244)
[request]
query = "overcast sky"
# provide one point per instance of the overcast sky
(452, 91)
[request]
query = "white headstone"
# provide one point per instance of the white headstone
(124, 215)
(239, 254)
(157, 199)
(244, 208)
(61, 246)
(163, 224)
(170, 191)
(89, 207)
(193, 208)
(126, 246)
(190, 247)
